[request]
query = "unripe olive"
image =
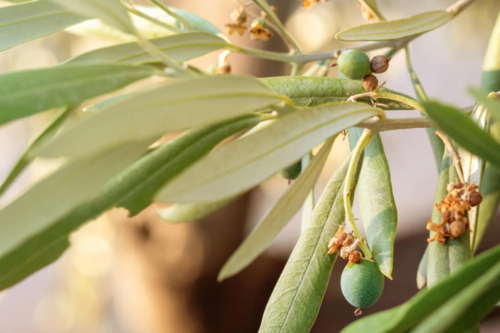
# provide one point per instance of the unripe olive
(379, 64)
(291, 172)
(362, 283)
(475, 199)
(354, 64)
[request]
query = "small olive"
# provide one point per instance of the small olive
(362, 283)
(370, 82)
(379, 64)
(354, 64)
(291, 172)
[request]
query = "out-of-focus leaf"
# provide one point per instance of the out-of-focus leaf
(274, 221)
(192, 211)
(179, 47)
(376, 200)
(450, 312)
(422, 270)
(36, 225)
(29, 153)
(445, 258)
(112, 12)
(396, 29)
(464, 131)
(242, 164)
(95, 28)
(25, 22)
(372, 5)
(170, 159)
(297, 297)
(490, 101)
(425, 303)
(314, 91)
(172, 107)
(28, 92)
(490, 185)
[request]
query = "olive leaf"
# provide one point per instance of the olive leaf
(297, 297)
(179, 47)
(376, 200)
(426, 302)
(490, 79)
(171, 107)
(28, 21)
(242, 164)
(29, 154)
(444, 259)
(314, 91)
(112, 12)
(86, 188)
(422, 269)
(464, 131)
(192, 211)
(492, 103)
(396, 29)
(27, 92)
(276, 219)
(372, 5)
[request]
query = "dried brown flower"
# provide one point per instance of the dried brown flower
(239, 28)
(259, 32)
(370, 82)
(239, 16)
(379, 64)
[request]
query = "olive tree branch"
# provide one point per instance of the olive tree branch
(453, 154)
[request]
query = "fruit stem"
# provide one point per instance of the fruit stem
(363, 141)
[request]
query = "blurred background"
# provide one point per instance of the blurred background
(143, 275)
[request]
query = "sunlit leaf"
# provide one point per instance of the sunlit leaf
(396, 29)
(491, 101)
(179, 47)
(376, 201)
(411, 313)
(297, 297)
(172, 107)
(313, 91)
(25, 22)
(276, 219)
(28, 92)
(192, 211)
(242, 164)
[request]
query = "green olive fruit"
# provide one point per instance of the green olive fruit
(362, 283)
(354, 64)
(291, 172)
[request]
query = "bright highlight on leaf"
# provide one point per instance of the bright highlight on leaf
(396, 29)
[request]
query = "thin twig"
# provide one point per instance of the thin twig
(454, 156)
(176, 16)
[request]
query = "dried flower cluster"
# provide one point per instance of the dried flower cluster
(347, 245)
(259, 31)
(309, 3)
(379, 64)
(460, 198)
(239, 18)
(258, 28)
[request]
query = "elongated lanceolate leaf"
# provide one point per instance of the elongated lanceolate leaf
(28, 92)
(179, 47)
(376, 200)
(396, 29)
(297, 297)
(490, 80)
(314, 91)
(490, 101)
(422, 269)
(172, 107)
(192, 211)
(242, 164)
(464, 131)
(427, 301)
(274, 221)
(25, 22)
(112, 12)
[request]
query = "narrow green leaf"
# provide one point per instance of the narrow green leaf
(28, 92)
(411, 313)
(112, 12)
(451, 311)
(490, 185)
(314, 91)
(297, 297)
(445, 258)
(32, 238)
(464, 131)
(376, 200)
(29, 154)
(192, 211)
(170, 159)
(490, 101)
(242, 164)
(172, 107)
(274, 221)
(198, 23)
(309, 203)
(396, 29)
(180, 47)
(422, 270)
(25, 22)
